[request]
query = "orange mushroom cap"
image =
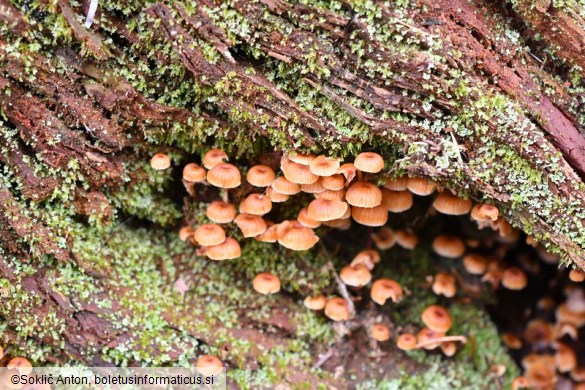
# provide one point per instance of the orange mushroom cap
(369, 162)
(224, 175)
(260, 176)
(314, 188)
(283, 186)
(275, 196)
(447, 203)
(209, 234)
(426, 334)
(368, 257)
(437, 318)
(448, 246)
(21, 364)
(229, 249)
(398, 184)
(317, 302)
(406, 239)
(214, 157)
(160, 162)
(363, 194)
(266, 283)
(268, 235)
(256, 204)
(396, 201)
(514, 278)
(293, 235)
(337, 309)
(194, 173)
(475, 264)
(300, 158)
(355, 275)
(333, 183)
(305, 219)
(324, 166)
(331, 195)
(208, 365)
(384, 289)
(372, 216)
(221, 212)
(326, 210)
(384, 238)
(420, 186)
(406, 342)
(251, 225)
(297, 173)
(380, 332)
(444, 284)
(484, 212)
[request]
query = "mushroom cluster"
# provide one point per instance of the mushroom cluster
(337, 194)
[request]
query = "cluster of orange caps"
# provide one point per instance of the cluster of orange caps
(346, 192)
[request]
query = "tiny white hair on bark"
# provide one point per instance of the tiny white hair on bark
(91, 13)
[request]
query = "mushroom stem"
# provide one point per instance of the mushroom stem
(224, 195)
(341, 287)
(360, 175)
(440, 340)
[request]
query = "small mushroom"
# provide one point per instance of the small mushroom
(369, 162)
(398, 184)
(194, 173)
(396, 201)
(266, 283)
(314, 188)
(337, 309)
(305, 219)
(355, 275)
(316, 302)
(437, 318)
(370, 216)
(160, 162)
(324, 166)
(514, 278)
(208, 365)
(448, 246)
(275, 196)
(293, 235)
(21, 364)
(214, 157)
(260, 176)
(384, 289)
(250, 225)
(209, 234)
(297, 173)
(368, 257)
(326, 210)
(475, 264)
(406, 342)
(420, 186)
(406, 239)
(333, 183)
(363, 194)
(256, 204)
(224, 175)
(447, 203)
(283, 186)
(300, 158)
(229, 249)
(444, 284)
(221, 212)
(384, 238)
(380, 332)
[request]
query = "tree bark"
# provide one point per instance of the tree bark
(454, 91)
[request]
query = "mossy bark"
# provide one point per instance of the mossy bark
(460, 92)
